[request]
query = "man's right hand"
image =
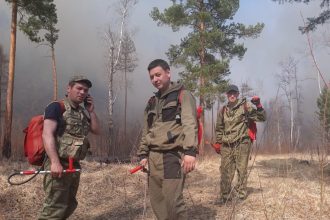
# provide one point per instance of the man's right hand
(56, 169)
(144, 162)
(217, 147)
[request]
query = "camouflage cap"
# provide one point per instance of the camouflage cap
(81, 78)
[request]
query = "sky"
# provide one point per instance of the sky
(80, 49)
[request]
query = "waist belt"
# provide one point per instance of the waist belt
(175, 149)
(235, 143)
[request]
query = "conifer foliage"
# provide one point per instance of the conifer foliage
(313, 22)
(213, 40)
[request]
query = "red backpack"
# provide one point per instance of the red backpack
(199, 111)
(33, 144)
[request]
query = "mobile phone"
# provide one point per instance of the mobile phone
(86, 102)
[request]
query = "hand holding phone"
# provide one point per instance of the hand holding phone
(86, 103)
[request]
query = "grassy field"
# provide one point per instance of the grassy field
(279, 186)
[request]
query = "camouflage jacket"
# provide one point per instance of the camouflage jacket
(72, 132)
(231, 123)
(161, 130)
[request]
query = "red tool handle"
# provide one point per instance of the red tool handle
(135, 169)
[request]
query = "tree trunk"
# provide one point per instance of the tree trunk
(54, 73)
(2, 63)
(279, 142)
(125, 108)
(110, 106)
(10, 88)
(110, 122)
(201, 79)
(291, 123)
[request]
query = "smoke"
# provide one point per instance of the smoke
(80, 49)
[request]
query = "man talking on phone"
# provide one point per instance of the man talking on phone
(66, 125)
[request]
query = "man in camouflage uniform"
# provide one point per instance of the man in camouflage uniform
(66, 126)
(233, 135)
(168, 143)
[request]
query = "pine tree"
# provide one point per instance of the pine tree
(312, 22)
(206, 51)
(34, 17)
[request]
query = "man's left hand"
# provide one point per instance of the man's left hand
(256, 101)
(188, 163)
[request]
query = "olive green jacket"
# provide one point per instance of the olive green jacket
(232, 124)
(161, 134)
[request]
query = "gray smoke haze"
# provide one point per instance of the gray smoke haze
(80, 49)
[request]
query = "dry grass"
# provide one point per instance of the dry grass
(280, 187)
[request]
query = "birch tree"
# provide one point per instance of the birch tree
(114, 40)
(289, 84)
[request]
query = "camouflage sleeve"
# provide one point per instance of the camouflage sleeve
(257, 115)
(143, 150)
(219, 128)
(189, 123)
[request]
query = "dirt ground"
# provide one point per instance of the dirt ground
(280, 187)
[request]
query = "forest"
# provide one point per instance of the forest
(276, 49)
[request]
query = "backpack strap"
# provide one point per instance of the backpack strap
(62, 106)
(180, 96)
(223, 110)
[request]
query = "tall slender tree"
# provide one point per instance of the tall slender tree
(40, 26)
(206, 51)
(114, 41)
(6, 150)
(127, 63)
(3, 62)
(33, 18)
(323, 104)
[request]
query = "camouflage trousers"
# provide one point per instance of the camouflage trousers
(60, 194)
(166, 181)
(234, 158)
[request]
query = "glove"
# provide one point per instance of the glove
(217, 147)
(256, 101)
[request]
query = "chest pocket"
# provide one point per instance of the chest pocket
(76, 123)
(171, 109)
(234, 117)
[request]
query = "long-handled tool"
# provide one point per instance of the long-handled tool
(71, 169)
(137, 168)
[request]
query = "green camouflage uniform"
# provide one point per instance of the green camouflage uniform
(232, 133)
(165, 139)
(60, 201)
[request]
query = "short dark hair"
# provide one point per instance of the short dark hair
(158, 62)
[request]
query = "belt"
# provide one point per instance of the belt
(235, 143)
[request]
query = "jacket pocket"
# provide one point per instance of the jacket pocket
(169, 112)
(76, 148)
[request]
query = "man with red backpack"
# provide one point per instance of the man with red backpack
(169, 142)
(66, 125)
(235, 132)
